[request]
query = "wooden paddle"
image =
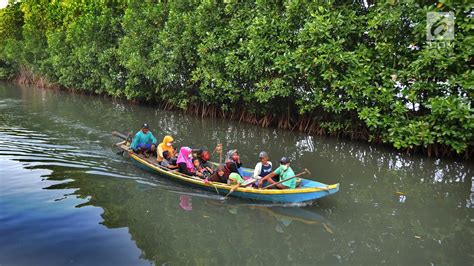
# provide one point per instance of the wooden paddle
(120, 152)
(218, 149)
(306, 171)
(122, 136)
(212, 184)
(118, 134)
(244, 184)
(226, 196)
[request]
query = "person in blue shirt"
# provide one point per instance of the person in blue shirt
(144, 141)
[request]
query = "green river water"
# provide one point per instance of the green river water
(67, 199)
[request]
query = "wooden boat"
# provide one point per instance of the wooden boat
(307, 190)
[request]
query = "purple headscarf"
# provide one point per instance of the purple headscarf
(183, 157)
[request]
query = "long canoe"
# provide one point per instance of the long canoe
(307, 191)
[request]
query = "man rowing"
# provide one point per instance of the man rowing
(144, 142)
(284, 172)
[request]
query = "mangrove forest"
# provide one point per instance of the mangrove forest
(364, 70)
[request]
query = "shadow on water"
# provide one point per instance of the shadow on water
(392, 208)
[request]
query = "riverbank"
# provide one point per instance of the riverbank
(303, 124)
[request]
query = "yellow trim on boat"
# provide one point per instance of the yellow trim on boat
(200, 182)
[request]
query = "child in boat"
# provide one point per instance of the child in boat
(204, 157)
(262, 168)
(167, 161)
(285, 172)
(232, 163)
(198, 168)
(166, 145)
(185, 164)
(235, 180)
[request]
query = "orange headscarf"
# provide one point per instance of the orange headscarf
(164, 147)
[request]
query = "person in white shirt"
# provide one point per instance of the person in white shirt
(264, 167)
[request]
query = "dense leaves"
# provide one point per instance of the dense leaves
(344, 68)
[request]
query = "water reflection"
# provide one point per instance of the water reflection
(185, 203)
(283, 215)
(470, 203)
(191, 232)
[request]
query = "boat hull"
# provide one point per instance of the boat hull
(308, 191)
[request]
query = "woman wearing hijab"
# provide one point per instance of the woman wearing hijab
(232, 163)
(166, 145)
(218, 175)
(185, 164)
(204, 156)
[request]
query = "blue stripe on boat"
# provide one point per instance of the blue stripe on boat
(307, 191)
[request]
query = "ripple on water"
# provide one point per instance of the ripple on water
(38, 229)
(35, 150)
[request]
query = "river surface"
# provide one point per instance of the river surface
(66, 198)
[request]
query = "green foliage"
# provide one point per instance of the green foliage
(347, 67)
(11, 23)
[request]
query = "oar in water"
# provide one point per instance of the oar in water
(306, 171)
(122, 136)
(226, 196)
(244, 184)
(217, 191)
(120, 152)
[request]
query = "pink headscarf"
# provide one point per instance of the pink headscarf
(183, 157)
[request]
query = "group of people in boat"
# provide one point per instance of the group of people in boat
(196, 163)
